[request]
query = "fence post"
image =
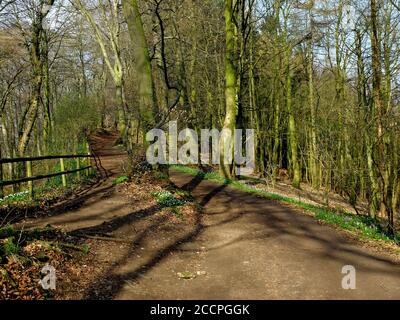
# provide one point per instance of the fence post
(78, 167)
(29, 175)
(63, 177)
(89, 171)
(1, 179)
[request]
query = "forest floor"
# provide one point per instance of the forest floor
(189, 238)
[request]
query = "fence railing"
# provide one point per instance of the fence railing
(30, 178)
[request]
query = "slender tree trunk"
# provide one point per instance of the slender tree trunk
(313, 158)
(364, 106)
(47, 123)
(293, 145)
(37, 62)
(292, 129)
(32, 111)
(147, 98)
(378, 108)
(277, 96)
(231, 82)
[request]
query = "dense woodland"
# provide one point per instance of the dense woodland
(317, 80)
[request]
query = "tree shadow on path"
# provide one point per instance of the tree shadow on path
(115, 281)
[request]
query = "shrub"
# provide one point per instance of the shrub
(166, 199)
(120, 180)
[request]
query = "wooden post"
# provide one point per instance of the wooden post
(78, 166)
(90, 171)
(64, 177)
(1, 179)
(12, 176)
(88, 159)
(29, 175)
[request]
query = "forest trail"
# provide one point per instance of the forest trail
(240, 247)
(99, 202)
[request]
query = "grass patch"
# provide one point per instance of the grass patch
(47, 190)
(6, 231)
(364, 226)
(48, 239)
(167, 200)
(120, 180)
(15, 197)
(9, 247)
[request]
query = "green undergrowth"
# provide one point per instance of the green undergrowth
(167, 200)
(50, 190)
(364, 226)
(13, 241)
(173, 199)
(17, 206)
(120, 180)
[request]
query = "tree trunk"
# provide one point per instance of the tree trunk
(147, 98)
(231, 82)
(378, 108)
(47, 124)
(37, 70)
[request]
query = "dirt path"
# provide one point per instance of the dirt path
(240, 247)
(100, 202)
